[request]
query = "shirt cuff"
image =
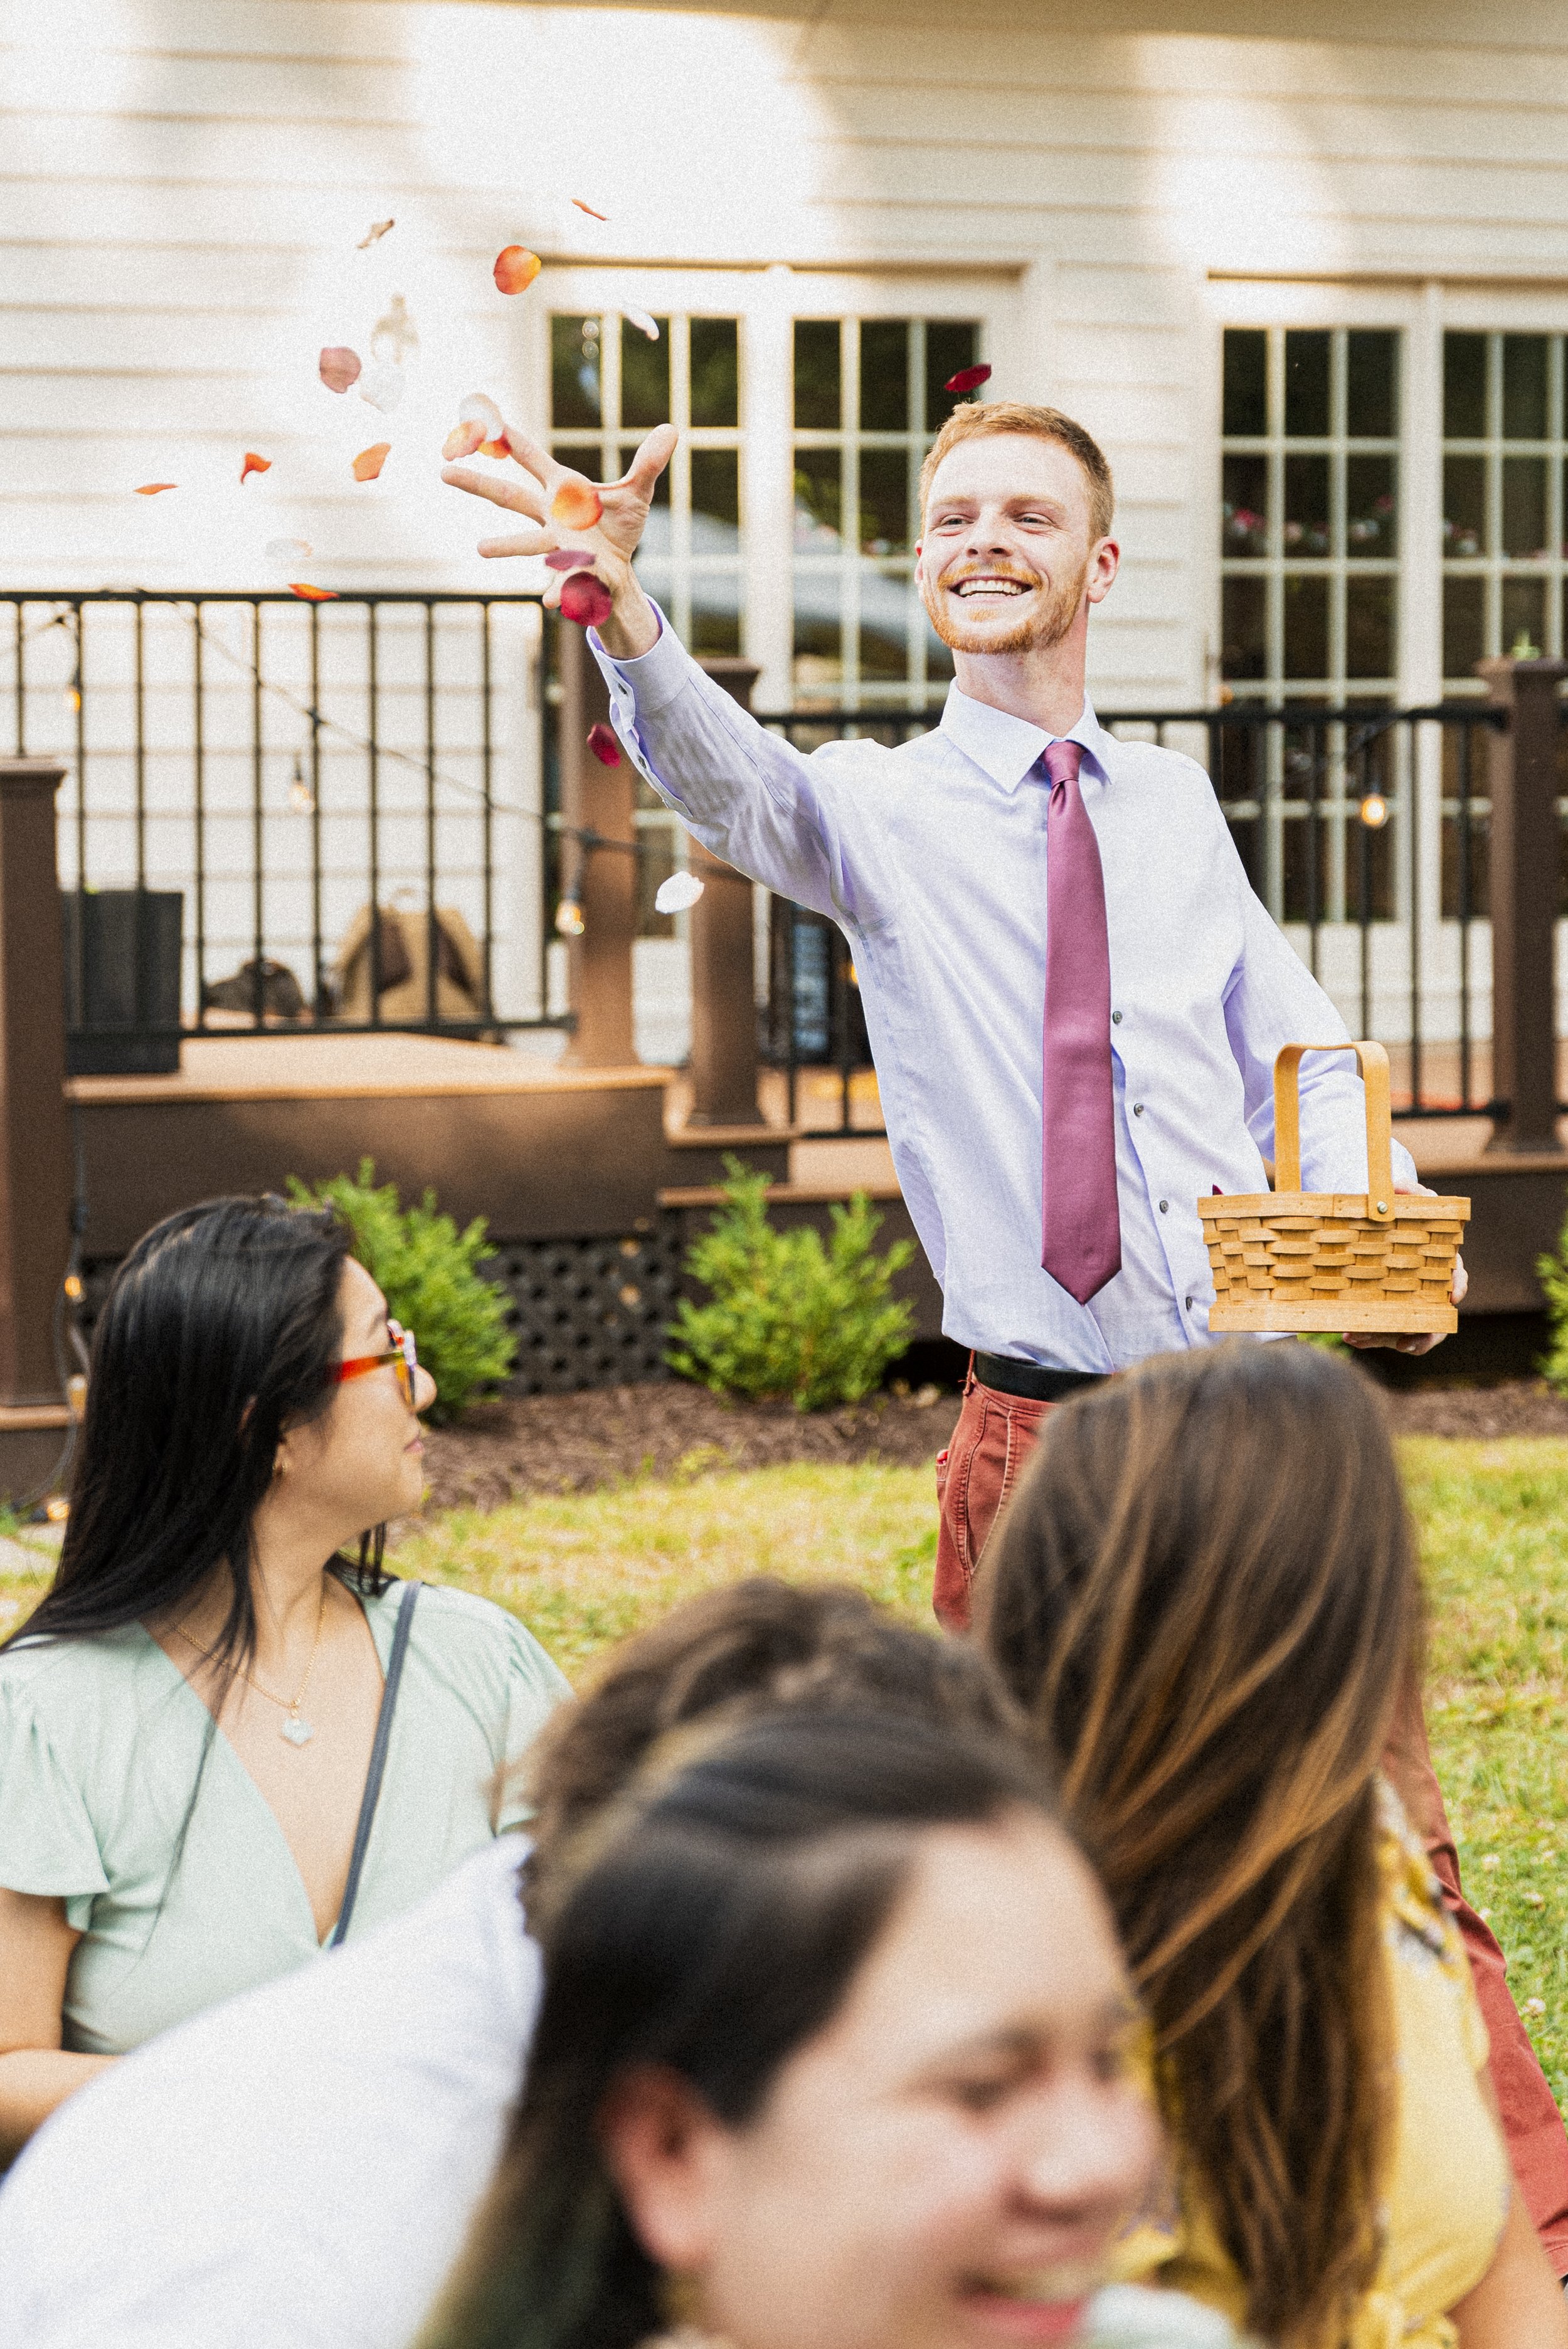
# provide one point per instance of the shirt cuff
(654, 677)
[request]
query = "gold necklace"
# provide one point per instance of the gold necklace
(294, 1726)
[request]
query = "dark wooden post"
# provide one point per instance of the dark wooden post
(35, 1123)
(1526, 861)
(603, 800)
(723, 967)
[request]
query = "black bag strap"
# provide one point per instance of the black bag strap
(377, 1771)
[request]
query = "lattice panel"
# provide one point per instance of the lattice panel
(591, 1313)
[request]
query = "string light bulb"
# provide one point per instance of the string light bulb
(1374, 810)
(569, 921)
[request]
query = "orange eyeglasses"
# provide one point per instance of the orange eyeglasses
(402, 1354)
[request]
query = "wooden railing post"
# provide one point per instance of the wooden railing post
(1526, 861)
(723, 967)
(603, 800)
(35, 1123)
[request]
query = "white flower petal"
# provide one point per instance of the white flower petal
(681, 890)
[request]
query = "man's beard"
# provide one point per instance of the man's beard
(1038, 634)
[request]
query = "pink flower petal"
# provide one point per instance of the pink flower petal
(968, 378)
(570, 558)
(602, 742)
(576, 505)
(585, 599)
(462, 442)
(313, 595)
(153, 488)
(640, 320)
(589, 209)
(369, 461)
(516, 269)
(255, 464)
(338, 367)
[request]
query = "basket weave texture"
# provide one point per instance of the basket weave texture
(1310, 1260)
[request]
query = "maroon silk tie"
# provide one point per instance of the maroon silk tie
(1082, 1237)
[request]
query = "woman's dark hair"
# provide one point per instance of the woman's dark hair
(712, 1922)
(1205, 1596)
(220, 1331)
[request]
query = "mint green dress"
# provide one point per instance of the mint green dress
(100, 1743)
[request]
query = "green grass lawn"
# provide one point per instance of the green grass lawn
(584, 1569)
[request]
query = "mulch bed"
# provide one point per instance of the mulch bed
(555, 1443)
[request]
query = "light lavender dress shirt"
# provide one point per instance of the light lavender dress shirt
(932, 859)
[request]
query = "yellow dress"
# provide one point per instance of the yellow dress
(1450, 2183)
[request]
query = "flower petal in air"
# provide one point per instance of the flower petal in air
(374, 235)
(480, 408)
(312, 595)
(570, 558)
(369, 461)
(338, 367)
(462, 442)
(589, 209)
(495, 448)
(576, 505)
(382, 386)
(255, 464)
(288, 553)
(673, 896)
(585, 599)
(602, 742)
(968, 378)
(516, 269)
(153, 488)
(640, 318)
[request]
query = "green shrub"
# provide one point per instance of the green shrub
(425, 1268)
(790, 1317)
(1553, 1275)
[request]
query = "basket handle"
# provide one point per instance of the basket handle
(1373, 1063)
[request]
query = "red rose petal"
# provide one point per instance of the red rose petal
(369, 461)
(255, 464)
(313, 595)
(570, 558)
(516, 269)
(462, 440)
(968, 378)
(338, 367)
(589, 209)
(576, 505)
(585, 599)
(602, 742)
(151, 489)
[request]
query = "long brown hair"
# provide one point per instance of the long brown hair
(1205, 1596)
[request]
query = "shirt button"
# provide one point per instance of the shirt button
(1115, 1019)
(1138, 1109)
(1187, 1302)
(1164, 1207)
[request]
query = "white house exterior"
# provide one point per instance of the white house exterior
(821, 206)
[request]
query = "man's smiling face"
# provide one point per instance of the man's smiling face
(1006, 564)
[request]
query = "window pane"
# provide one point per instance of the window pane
(1307, 509)
(816, 374)
(1244, 528)
(938, 657)
(1307, 385)
(586, 460)
(1306, 625)
(628, 450)
(574, 371)
(1464, 387)
(644, 374)
(716, 483)
(1524, 387)
(1371, 521)
(951, 345)
(1524, 505)
(1523, 617)
(716, 371)
(1369, 625)
(819, 500)
(884, 501)
(716, 613)
(1246, 353)
(1244, 650)
(884, 629)
(818, 654)
(1371, 386)
(1464, 625)
(1464, 506)
(884, 375)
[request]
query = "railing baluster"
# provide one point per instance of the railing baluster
(19, 620)
(432, 934)
(258, 829)
(1465, 747)
(318, 992)
(486, 756)
(199, 748)
(374, 748)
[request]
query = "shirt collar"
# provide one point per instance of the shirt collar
(1007, 747)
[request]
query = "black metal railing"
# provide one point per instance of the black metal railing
(283, 815)
(1363, 830)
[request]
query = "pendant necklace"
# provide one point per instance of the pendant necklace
(293, 1725)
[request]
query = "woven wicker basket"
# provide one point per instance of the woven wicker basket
(1294, 1259)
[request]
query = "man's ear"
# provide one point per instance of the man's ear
(1104, 561)
(667, 2154)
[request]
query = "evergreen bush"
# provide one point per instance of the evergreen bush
(788, 1316)
(426, 1270)
(1553, 1275)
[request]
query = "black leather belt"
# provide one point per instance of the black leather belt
(1034, 1383)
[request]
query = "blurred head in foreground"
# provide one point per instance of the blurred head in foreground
(835, 2049)
(1205, 1598)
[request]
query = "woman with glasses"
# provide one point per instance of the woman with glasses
(188, 1720)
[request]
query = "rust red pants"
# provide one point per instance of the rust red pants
(974, 1477)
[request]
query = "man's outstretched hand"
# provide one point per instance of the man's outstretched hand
(632, 627)
(1415, 1341)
